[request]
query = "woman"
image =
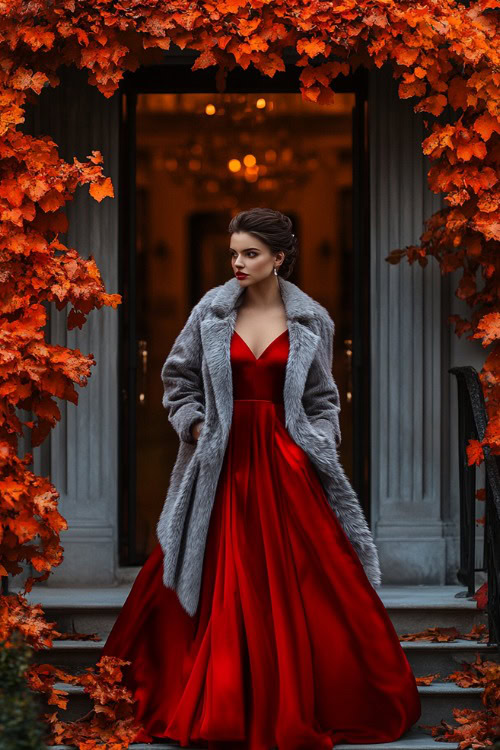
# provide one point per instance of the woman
(255, 623)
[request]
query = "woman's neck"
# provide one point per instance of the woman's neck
(263, 295)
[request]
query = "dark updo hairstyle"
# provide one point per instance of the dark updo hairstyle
(274, 229)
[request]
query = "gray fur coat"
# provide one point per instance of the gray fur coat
(197, 381)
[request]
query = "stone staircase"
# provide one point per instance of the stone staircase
(411, 609)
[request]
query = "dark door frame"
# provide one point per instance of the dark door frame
(174, 75)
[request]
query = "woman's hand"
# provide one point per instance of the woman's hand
(196, 429)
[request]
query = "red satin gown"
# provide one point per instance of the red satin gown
(291, 646)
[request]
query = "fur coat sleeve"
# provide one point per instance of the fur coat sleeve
(321, 399)
(182, 382)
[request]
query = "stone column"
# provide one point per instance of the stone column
(409, 345)
(81, 454)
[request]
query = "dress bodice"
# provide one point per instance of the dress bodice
(259, 377)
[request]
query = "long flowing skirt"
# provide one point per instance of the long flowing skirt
(291, 647)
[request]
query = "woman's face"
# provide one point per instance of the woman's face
(252, 257)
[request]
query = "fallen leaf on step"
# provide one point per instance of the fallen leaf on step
(78, 637)
(432, 634)
(427, 679)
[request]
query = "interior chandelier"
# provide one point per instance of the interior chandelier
(239, 147)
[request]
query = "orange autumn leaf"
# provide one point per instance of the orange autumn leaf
(37, 38)
(427, 679)
(12, 192)
(470, 149)
(405, 55)
(247, 27)
(100, 190)
(75, 636)
(415, 88)
(467, 285)
(22, 78)
(486, 125)
(75, 319)
(47, 408)
(477, 632)
(457, 92)
(434, 104)
(474, 451)
(311, 47)
(271, 64)
(441, 635)
(488, 224)
(481, 596)
(51, 201)
(488, 328)
(477, 673)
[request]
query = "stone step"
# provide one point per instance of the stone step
(425, 657)
(414, 739)
(411, 608)
(75, 656)
(415, 608)
(438, 700)
(430, 657)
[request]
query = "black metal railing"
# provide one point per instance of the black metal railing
(472, 421)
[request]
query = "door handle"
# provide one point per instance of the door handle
(143, 354)
(348, 352)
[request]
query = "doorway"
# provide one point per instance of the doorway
(191, 157)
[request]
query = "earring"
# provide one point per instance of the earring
(275, 271)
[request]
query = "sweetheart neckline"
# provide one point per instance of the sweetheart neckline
(267, 347)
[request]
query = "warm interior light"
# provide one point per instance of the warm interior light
(251, 176)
